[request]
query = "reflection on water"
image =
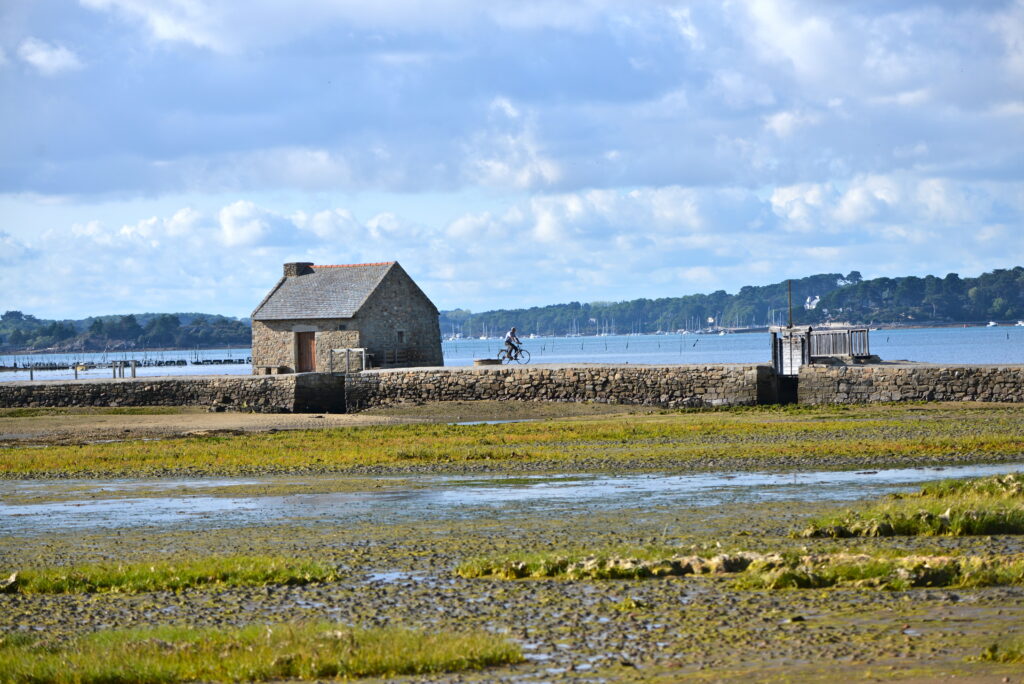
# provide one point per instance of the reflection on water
(108, 504)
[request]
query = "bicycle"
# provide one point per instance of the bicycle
(521, 356)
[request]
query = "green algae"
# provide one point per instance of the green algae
(168, 575)
(854, 437)
(767, 571)
(700, 626)
(978, 506)
(1011, 653)
(304, 651)
(35, 412)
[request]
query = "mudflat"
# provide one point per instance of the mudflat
(79, 425)
(399, 537)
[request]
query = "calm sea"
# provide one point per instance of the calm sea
(996, 345)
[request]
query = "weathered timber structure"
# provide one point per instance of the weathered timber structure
(315, 313)
(794, 347)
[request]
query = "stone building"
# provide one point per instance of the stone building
(316, 309)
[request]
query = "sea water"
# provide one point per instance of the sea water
(973, 345)
(996, 345)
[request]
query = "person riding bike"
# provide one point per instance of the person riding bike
(512, 343)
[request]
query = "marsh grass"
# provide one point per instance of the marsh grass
(891, 570)
(255, 653)
(1013, 653)
(859, 435)
(896, 574)
(610, 563)
(171, 575)
(991, 505)
(36, 412)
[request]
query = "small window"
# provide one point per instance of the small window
(401, 337)
(342, 326)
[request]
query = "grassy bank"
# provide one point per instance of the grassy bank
(255, 653)
(980, 506)
(794, 437)
(168, 576)
(992, 505)
(764, 571)
(35, 412)
(1010, 653)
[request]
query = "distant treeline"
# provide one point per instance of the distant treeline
(910, 300)
(19, 331)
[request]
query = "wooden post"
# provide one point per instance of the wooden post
(133, 367)
(31, 373)
(789, 285)
(775, 351)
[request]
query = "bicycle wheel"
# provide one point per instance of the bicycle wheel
(503, 356)
(523, 356)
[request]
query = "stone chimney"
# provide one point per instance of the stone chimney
(298, 268)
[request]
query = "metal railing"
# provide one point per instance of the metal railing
(852, 342)
(349, 352)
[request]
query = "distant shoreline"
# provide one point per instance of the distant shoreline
(24, 352)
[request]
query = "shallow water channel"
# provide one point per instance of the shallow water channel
(209, 503)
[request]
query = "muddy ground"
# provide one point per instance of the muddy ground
(403, 573)
(75, 426)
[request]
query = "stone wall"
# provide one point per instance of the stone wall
(273, 343)
(399, 306)
(301, 392)
(820, 384)
(669, 386)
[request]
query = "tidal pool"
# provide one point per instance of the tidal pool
(189, 504)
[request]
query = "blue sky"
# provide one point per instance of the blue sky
(170, 155)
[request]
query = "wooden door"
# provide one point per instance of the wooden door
(306, 342)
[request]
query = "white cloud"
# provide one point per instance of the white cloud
(231, 26)
(12, 251)
(866, 198)
(242, 223)
(1009, 25)
(183, 222)
(332, 224)
(739, 91)
(596, 244)
(48, 59)
(785, 124)
(794, 34)
(803, 206)
(684, 24)
(508, 154)
(907, 98)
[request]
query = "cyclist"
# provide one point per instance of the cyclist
(512, 343)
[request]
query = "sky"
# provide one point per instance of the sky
(171, 155)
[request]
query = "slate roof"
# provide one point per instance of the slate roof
(327, 292)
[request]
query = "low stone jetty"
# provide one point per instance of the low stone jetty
(670, 386)
(303, 392)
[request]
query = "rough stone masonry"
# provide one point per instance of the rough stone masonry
(669, 386)
(821, 384)
(315, 392)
